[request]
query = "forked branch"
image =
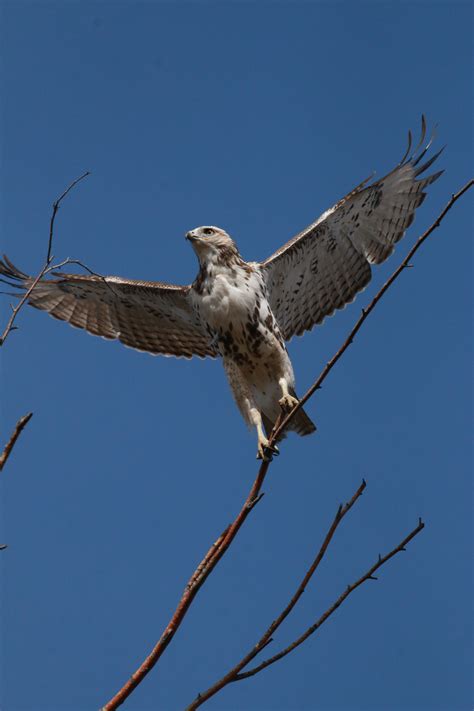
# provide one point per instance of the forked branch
(56, 204)
(369, 575)
(266, 638)
(236, 674)
(224, 541)
(47, 265)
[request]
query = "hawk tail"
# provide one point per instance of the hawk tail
(300, 423)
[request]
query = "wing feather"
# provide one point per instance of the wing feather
(325, 266)
(148, 316)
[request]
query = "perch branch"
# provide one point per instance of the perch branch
(47, 265)
(222, 544)
(235, 674)
(196, 581)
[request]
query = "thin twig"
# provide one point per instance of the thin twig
(10, 327)
(236, 675)
(369, 575)
(56, 205)
(47, 265)
(7, 450)
(190, 593)
(69, 260)
(266, 638)
(54, 267)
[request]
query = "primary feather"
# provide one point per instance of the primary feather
(327, 264)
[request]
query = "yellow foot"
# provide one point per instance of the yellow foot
(265, 452)
(287, 402)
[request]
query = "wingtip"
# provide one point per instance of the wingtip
(8, 269)
(428, 163)
(423, 128)
(407, 152)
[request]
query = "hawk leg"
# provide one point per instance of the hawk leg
(287, 401)
(265, 451)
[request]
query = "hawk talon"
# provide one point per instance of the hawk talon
(288, 402)
(266, 452)
(274, 450)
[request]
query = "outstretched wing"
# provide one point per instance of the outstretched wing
(148, 316)
(325, 266)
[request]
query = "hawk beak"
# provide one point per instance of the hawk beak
(190, 236)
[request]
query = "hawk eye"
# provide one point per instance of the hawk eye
(208, 231)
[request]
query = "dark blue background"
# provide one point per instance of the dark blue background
(256, 117)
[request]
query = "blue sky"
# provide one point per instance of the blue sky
(255, 116)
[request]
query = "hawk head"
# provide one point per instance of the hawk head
(212, 245)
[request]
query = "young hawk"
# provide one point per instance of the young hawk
(243, 311)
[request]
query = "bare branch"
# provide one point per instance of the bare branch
(369, 575)
(54, 267)
(56, 205)
(20, 426)
(9, 327)
(266, 638)
(7, 450)
(196, 581)
(236, 675)
(77, 262)
(222, 544)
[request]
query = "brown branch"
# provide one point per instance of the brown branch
(266, 638)
(7, 450)
(20, 426)
(236, 675)
(56, 205)
(369, 575)
(10, 327)
(196, 581)
(47, 265)
(254, 495)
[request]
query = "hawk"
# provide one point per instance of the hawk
(245, 312)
